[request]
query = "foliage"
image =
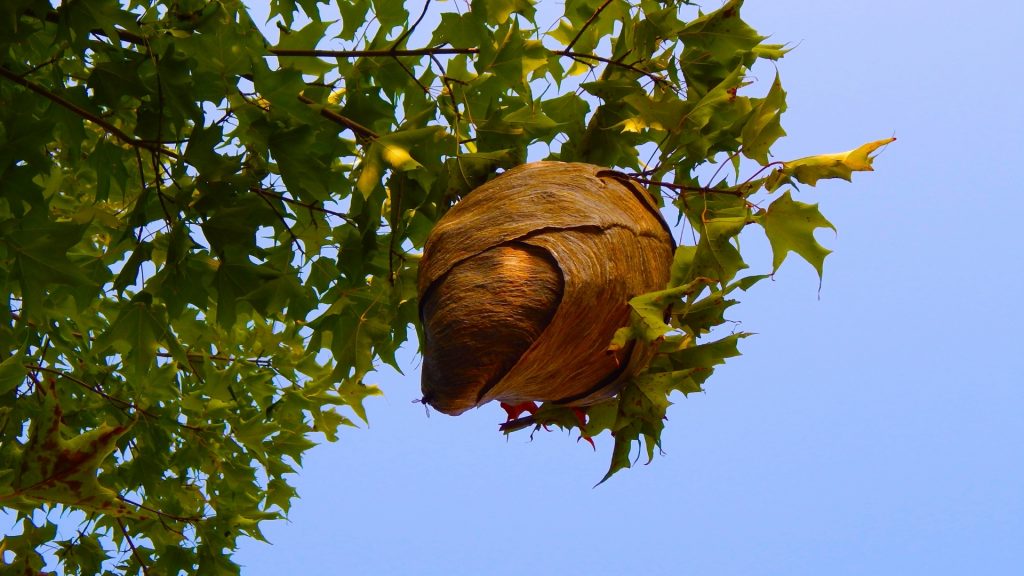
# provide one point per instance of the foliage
(209, 240)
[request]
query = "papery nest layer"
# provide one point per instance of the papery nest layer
(524, 282)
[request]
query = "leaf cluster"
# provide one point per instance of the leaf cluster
(209, 237)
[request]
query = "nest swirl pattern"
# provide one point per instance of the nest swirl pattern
(524, 282)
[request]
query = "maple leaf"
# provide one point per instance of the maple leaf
(790, 227)
(55, 470)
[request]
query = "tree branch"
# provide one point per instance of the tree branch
(82, 112)
(390, 52)
(287, 227)
(395, 53)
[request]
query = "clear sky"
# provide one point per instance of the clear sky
(876, 429)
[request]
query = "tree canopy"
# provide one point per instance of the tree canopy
(209, 237)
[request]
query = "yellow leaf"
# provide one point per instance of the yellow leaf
(399, 157)
(841, 165)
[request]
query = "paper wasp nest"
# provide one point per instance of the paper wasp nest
(524, 282)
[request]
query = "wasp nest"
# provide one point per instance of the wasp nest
(524, 282)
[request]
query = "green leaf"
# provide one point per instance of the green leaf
(12, 373)
(353, 17)
(328, 421)
(396, 151)
(137, 333)
(130, 272)
(460, 30)
(719, 219)
(702, 358)
(790, 226)
(716, 44)
(660, 383)
(235, 280)
(306, 39)
(390, 12)
(40, 254)
(764, 127)
(647, 321)
(498, 11)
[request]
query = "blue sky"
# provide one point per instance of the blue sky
(874, 428)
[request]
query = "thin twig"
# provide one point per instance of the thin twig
(131, 544)
(587, 24)
(722, 164)
(409, 31)
(155, 158)
(581, 56)
(345, 121)
(34, 374)
(187, 520)
(412, 75)
(761, 170)
(309, 206)
(141, 199)
(287, 227)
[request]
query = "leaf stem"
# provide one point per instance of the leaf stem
(760, 170)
